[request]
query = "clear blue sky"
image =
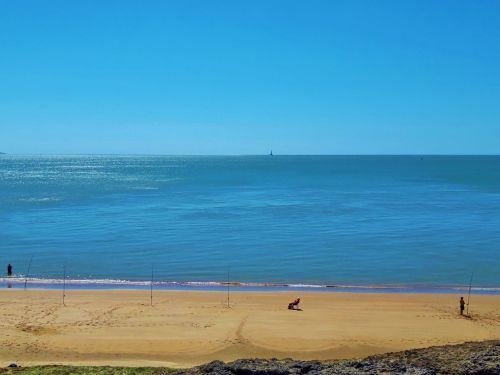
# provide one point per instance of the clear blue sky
(242, 77)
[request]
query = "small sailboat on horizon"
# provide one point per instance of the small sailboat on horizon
(271, 153)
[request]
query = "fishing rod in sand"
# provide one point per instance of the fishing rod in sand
(151, 284)
(228, 288)
(28, 273)
(64, 285)
(470, 287)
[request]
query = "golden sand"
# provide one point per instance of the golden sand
(188, 328)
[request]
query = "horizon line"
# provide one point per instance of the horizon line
(221, 155)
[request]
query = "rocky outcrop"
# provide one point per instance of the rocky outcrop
(473, 358)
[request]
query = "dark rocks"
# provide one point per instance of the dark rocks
(473, 358)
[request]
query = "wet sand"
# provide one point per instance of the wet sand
(186, 328)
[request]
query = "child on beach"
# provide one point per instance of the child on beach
(462, 305)
(9, 270)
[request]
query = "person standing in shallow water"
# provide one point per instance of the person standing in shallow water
(462, 305)
(9, 270)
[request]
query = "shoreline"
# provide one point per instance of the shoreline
(117, 284)
(184, 329)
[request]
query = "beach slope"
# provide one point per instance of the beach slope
(184, 329)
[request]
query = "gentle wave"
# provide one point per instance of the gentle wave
(130, 284)
(39, 200)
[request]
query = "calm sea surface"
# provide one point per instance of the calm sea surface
(350, 220)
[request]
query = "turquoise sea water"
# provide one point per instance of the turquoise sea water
(329, 220)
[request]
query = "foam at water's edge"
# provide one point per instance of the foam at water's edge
(215, 285)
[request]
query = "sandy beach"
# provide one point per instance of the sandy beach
(184, 328)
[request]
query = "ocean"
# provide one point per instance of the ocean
(364, 221)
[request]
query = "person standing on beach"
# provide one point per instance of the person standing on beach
(462, 305)
(9, 270)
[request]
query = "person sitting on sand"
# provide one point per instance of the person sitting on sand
(9, 270)
(462, 305)
(294, 304)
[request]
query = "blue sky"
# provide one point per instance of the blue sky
(242, 77)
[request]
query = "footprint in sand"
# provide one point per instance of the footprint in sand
(37, 330)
